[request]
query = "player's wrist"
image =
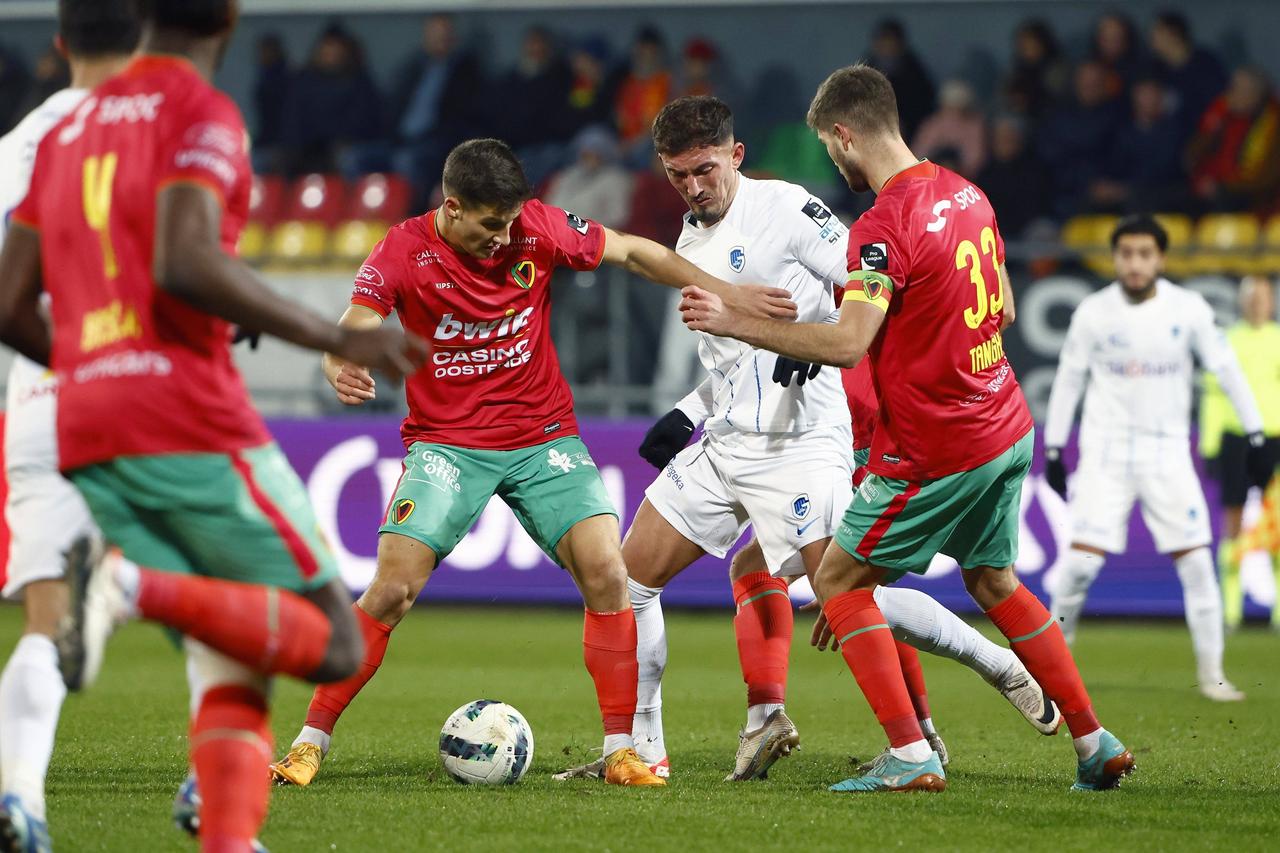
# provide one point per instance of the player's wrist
(1256, 439)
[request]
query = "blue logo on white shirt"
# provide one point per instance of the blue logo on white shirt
(800, 506)
(737, 258)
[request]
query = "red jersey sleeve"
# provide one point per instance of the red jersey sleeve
(377, 284)
(28, 210)
(208, 146)
(578, 242)
(878, 258)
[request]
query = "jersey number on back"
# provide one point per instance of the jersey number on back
(967, 256)
(99, 175)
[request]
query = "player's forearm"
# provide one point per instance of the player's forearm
(817, 343)
(22, 326)
(1064, 396)
(26, 332)
(663, 266)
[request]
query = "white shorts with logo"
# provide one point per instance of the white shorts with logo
(792, 489)
(1104, 491)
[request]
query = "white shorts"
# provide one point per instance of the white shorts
(1172, 501)
(792, 489)
(46, 515)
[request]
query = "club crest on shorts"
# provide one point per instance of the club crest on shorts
(800, 505)
(524, 273)
(402, 510)
(737, 258)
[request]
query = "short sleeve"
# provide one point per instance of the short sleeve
(877, 260)
(578, 242)
(208, 146)
(817, 236)
(377, 281)
(27, 211)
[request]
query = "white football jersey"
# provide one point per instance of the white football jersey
(774, 234)
(29, 438)
(1135, 363)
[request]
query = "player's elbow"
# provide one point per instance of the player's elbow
(847, 354)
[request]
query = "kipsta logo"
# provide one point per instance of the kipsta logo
(403, 509)
(737, 258)
(800, 506)
(524, 273)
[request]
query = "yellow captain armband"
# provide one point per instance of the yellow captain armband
(874, 288)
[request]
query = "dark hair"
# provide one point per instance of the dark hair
(1138, 224)
(1177, 23)
(892, 28)
(1039, 29)
(693, 122)
(487, 173)
(201, 18)
(97, 27)
(857, 96)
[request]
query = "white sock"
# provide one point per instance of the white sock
(758, 715)
(1202, 601)
(921, 622)
(314, 736)
(613, 743)
(1087, 745)
(926, 726)
(31, 694)
(651, 652)
(127, 576)
(913, 752)
(1067, 595)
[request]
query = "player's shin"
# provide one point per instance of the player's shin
(921, 622)
(230, 745)
(1067, 594)
(330, 700)
(609, 650)
(651, 655)
(763, 625)
(31, 695)
(1232, 590)
(1202, 602)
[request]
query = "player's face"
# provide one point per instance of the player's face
(706, 178)
(1138, 261)
(479, 230)
(840, 149)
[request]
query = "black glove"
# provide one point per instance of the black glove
(666, 438)
(1055, 470)
(784, 368)
(1258, 463)
(243, 334)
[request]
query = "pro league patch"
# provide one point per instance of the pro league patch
(874, 256)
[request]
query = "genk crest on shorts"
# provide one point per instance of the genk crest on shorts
(737, 258)
(800, 506)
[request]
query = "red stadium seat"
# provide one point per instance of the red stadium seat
(266, 199)
(381, 196)
(317, 198)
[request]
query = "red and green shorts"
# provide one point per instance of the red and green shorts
(241, 516)
(971, 516)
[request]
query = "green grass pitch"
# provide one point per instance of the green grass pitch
(1208, 775)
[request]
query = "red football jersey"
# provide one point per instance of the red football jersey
(949, 401)
(863, 405)
(493, 381)
(121, 344)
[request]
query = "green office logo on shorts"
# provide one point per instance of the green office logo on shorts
(566, 462)
(402, 510)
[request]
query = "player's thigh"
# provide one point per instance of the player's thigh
(1174, 507)
(45, 515)
(441, 492)
(695, 498)
(136, 528)
(987, 535)
(1102, 497)
(654, 551)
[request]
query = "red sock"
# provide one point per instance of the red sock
(230, 749)
(868, 649)
(913, 675)
(330, 700)
(1038, 642)
(269, 629)
(763, 625)
(609, 648)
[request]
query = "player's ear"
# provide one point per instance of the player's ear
(452, 207)
(739, 151)
(60, 46)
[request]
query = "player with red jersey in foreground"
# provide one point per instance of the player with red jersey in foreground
(493, 414)
(953, 439)
(137, 199)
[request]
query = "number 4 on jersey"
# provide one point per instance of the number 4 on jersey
(99, 175)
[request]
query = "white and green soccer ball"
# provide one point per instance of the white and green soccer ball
(486, 742)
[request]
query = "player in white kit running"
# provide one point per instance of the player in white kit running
(49, 523)
(1129, 351)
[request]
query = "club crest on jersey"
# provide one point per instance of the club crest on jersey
(874, 256)
(524, 273)
(576, 222)
(800, 505)
(737, 258)
(402, 510)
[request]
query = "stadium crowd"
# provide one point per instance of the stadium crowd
(1138, 120)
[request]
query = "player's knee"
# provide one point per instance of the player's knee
(605, 577)
(208, 669)
(988, 587)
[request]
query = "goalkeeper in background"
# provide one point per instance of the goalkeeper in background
(1255, 339)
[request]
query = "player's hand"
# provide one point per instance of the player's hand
(666, 438)
(757, 302)
(704, 311)
(384, 349)
(355, 385)
(1258, 463)
(1055, 471)
(784, 368)
(822, 636)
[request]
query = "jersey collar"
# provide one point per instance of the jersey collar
(923, 169)
(146, 62)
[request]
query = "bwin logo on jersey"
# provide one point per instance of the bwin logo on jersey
(737, 258)
(800, 506)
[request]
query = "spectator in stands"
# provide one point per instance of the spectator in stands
(1015, 180)
(1115, 45)
(1038, 78)
(702, 72)
(437, 103)
(592, 90)
(50, 74)
(958, 126)
(594, 186)
(13, 88)
(1235, 155)
(892, 56)
(1076, 137)
(270, 104)
(1143, 170)
(1193, 74)
(533, 94)
(644, 90)
(334, 110)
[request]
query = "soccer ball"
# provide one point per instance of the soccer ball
(486, 742)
